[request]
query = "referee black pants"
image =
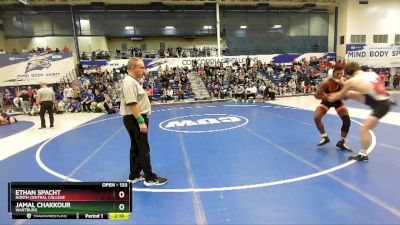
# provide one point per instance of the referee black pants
(140, 148)
(46, 106)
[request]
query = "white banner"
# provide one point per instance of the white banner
(153, 64)
(30, 69)
(374, 55)
(201, 61)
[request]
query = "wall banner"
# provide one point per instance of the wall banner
(153, 64)
(374, 55)
(30, 69)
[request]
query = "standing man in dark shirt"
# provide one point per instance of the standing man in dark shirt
(135, 108)
(46, 99)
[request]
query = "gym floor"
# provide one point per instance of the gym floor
(226, 163)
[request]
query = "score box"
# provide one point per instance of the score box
(85, 216)
(77, 198)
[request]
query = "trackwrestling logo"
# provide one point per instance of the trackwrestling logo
(203, 123)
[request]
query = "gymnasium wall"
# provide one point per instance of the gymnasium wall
(342, 28)
(378, 17)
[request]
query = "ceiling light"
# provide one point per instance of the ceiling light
(169, 27)
(243, 27)
(207, 27)
(277, 26)
(25, 2)
(84, 22)
(128, 27)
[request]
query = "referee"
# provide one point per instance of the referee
(135, 109)
(46, 99)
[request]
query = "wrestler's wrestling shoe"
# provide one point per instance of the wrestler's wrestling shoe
(323, 141)
(342, 146)
(359, 157)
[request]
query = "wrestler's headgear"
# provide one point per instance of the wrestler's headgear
(330, 75)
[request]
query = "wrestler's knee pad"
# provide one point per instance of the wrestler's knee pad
(346, 123)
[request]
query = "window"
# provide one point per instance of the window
(358, 39)
(380, 38)
(397, 38)
(341, 40)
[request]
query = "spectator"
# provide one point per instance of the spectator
(8, 100)
(163, 94)
(108, 105)
(240, 92)
(170, 93)
(179, 94)
(150, 93)
(68, 92)
(74, 106)
(48, 49)
(98, 102)
(88, 101)
(25, 103)
(271, 92)
(66, 49)
(251, 91)
(396, 80)
(84, 56)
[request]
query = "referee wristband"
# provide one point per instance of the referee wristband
(140, 119)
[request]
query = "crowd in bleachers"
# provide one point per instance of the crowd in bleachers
(36, 50)
(170, 52)
(267, 80)
(98, 91)
(12, 97)
(235, 82)
(93, 92)
(133, 51)
(118, 54)
(165, 84)
(262, 80)
(297, 78)
(179, 52)
(172, 83)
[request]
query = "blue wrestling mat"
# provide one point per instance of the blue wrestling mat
(227, 163)
(11, 129)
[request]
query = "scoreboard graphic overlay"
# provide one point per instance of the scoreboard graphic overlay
(77, 200)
